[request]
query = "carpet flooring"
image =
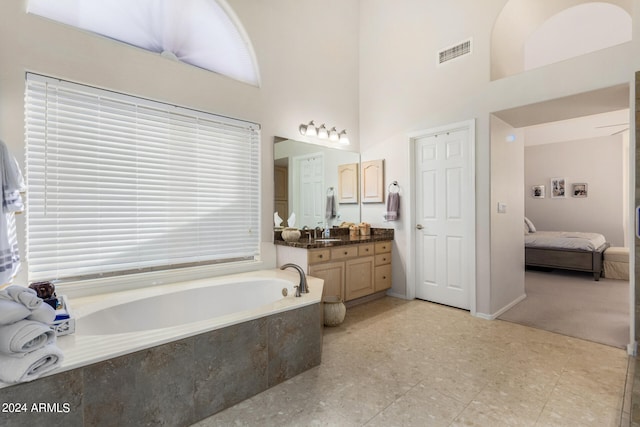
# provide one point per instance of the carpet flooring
(573, 304)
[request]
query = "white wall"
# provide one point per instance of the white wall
(597, 162)
(403, 90)
(507, 181)
(309, 70)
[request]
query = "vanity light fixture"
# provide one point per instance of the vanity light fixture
(321, 132)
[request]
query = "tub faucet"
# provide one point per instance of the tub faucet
(302, 288)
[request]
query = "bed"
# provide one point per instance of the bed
(565, 250)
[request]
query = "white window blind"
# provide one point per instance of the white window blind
(120, 184)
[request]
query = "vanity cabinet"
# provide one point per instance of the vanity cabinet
(352, 271)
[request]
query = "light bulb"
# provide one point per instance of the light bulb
(303, 129)
(343, 138)
(323, 133)
(311, 129)
(333, 134)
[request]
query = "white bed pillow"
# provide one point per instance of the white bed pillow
(528, 224)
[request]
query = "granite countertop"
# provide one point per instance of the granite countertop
(338, 238)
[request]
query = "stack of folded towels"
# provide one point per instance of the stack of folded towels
(27, 343)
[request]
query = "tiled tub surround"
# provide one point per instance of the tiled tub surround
(152, 378)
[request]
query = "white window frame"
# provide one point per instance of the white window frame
(62, 117)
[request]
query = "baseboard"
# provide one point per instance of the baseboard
(499, 313)
(632, 349)
(396, 295)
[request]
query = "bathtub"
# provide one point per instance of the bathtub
(123, 322)
(213, 342)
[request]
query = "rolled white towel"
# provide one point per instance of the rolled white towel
(31, 366)
(25, 336)
(24, 296)
(45, 314)
(11, 312)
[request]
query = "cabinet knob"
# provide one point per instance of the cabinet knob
(345, 252)
(384, 277)
(320, 256)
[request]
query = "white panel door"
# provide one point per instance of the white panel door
(309, 190)
(443, 211)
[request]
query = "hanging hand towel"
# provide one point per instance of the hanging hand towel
(330, 211)
(393, 207)
(11, 184)
(25, 336)
(30, 367)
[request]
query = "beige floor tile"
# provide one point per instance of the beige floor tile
(421, 406)
(566, 409)
(405, 363)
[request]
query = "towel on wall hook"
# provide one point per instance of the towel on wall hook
(330, 209)
(11, 184)
(393, 202)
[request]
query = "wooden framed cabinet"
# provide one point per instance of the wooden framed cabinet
(349, 271)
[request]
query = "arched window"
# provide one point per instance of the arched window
(530, 34)
(203, 33)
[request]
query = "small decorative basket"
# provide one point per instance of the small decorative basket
(365, 229)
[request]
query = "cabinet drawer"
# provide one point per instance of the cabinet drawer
(382, 277)
(364, 250)
(383, 247)
(383, 259)
(319, 255)
(344, 252)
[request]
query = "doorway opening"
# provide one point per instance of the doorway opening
(581, 141)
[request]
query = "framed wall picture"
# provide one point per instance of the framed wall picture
(579, 190)
(537, 191)
(558, 188)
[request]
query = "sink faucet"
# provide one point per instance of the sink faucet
(302, 288)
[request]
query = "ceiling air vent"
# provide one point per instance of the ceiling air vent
(454, 52)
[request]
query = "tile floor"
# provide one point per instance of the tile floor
(413, 363)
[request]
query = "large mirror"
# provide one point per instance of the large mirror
(317, 183)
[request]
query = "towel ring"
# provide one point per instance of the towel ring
(330, 191)
(394, 185)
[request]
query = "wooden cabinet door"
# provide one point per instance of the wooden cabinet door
(359, 277)
(333, 274)
(382, 277)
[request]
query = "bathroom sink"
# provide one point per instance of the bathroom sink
(327, 240)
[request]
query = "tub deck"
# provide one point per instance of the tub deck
(135, 378)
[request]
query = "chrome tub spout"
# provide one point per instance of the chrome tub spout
(302, 288)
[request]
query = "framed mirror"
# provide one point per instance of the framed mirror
(318, 183)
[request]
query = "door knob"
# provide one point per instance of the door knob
(419, 227)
